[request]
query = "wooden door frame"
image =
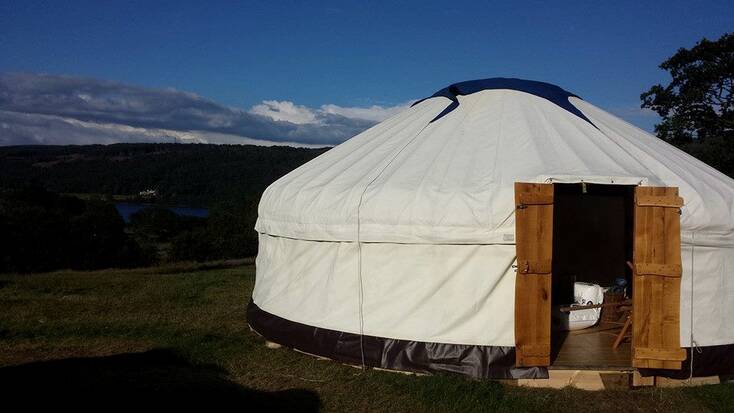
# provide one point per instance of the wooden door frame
(533, 282)
(534, 253)
(657, 272)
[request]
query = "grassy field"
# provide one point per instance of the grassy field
(178, 335)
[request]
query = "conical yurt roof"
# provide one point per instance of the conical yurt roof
(443, 171)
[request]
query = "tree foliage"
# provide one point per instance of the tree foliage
(182, 174)
(43, 231)
(698, 103)
(697, 106)
(228, 180)
(229, 232)
(160, 224)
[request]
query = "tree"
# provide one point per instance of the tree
(229, 233)
(698, 104)
(155, 222)
(43, 231)
(193, 245)
(697, 107)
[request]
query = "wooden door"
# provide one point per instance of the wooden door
(534, 250)
(656, 279)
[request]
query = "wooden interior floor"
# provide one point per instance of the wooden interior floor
(590, 348)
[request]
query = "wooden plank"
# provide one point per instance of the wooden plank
(665, 270)
(527, 361)
(639, 381)
(693, 381)
(592, 380)
(534, 243)
(591, 348)
(535, 198)
(656, 364)
(534, 267)
(664, 201)
(622, 333)
(656, 283)
(659, 354)
(535, 350)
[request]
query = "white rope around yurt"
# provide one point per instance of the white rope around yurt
(694, 346)
(359, 243)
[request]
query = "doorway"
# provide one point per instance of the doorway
(596, 230)
(593, 230)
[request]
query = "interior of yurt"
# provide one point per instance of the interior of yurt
(502, 229)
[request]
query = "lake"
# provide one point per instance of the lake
(126, 209)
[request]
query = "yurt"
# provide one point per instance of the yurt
(455, 235)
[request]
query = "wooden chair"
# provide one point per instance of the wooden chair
(622, 333)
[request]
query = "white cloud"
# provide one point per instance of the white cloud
(373, 113)
(36, 129)
(285, 111)
(41, 108)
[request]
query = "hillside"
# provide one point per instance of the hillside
(190, 174)
(65, 191)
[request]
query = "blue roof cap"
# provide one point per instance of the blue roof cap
(544, 90)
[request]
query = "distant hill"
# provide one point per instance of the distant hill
(189, 174)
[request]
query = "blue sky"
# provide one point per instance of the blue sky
(357, 54)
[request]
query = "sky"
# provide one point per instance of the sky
(313, 73)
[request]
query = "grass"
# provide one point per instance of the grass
(180, 334)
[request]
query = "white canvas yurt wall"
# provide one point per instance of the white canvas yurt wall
(396, 248)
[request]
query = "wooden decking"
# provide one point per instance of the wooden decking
(590, 349)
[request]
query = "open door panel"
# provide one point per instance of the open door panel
(534, 250)
(656, 282)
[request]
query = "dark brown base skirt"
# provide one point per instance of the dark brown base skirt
(486, 362)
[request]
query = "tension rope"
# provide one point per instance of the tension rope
(359, 243)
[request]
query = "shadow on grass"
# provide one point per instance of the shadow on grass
(159, 377)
